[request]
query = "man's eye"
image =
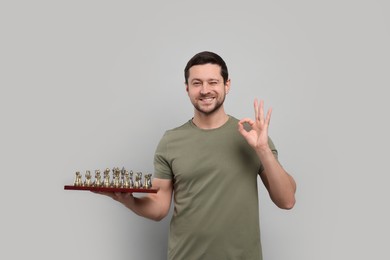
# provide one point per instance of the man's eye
(213, 83)
(196, 83)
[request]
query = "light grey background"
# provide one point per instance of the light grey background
(94, 84)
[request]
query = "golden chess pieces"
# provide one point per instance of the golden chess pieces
(98, 179)
(116, 178)
(120, 180)
(78, 181)
(106, 178)
(138, 180)
(87, 181)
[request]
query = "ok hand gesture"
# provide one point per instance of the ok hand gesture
(257, 136)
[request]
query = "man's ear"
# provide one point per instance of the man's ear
(227, 86)
(186, 86)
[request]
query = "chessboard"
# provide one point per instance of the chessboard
(111, 189)
(114, 180)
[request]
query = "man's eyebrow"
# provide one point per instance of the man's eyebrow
(210, 79)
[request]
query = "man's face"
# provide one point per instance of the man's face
(206, 88)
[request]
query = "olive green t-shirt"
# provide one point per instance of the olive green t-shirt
(214, 174)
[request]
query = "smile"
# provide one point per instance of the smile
(207, 99)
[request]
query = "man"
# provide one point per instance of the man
(210, 164)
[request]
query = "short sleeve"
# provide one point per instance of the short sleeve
(162, 165)
(274, 151)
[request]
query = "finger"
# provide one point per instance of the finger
(242, 130)
(268, 118)
(127, 195)
(108, 194)
(246, 120)
(123, 195)
(245, 126)
(261, 111)
(255, 104)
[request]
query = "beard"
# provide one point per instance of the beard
(208, 110)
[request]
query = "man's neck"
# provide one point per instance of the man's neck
(211, 121)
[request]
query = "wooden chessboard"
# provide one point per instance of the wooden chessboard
(111, 189)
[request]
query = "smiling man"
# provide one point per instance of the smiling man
(210, 165)
(207, 89)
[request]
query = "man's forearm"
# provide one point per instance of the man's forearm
(281, 186)
(147, 207)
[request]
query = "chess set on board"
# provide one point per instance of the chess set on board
(114, 180)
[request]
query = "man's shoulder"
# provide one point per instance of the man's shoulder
(179, 130)
(185, 126)
(233, 119)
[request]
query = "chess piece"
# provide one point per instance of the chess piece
(78, 181)
(87, 181)
(116, 178)
(123, 172)
(106, 178)
(98, 179)
(126, 180)
(150, 180)
(131, 181)
(138, 180)
(147, 182)
(113, 177)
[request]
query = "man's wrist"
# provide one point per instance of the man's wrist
(263, 151)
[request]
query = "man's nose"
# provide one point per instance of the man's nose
(205, 88)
